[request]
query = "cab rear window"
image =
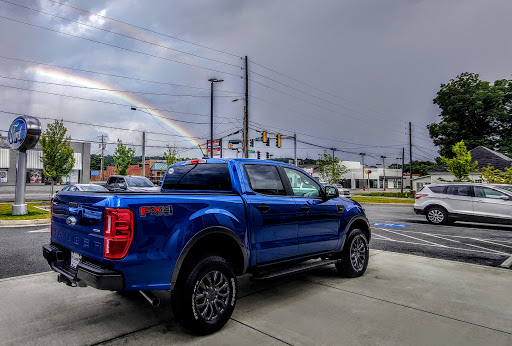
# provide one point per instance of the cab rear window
(200, 177)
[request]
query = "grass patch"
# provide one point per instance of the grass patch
(368, 199)
(33, 213)
(389, 194)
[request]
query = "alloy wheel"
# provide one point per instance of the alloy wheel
(358, 253)
(211, 296)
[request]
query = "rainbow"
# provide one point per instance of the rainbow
(56, 73)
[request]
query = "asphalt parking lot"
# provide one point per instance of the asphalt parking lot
(396, 228)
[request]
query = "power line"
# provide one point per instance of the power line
(122, 35)
(98, 125)
(318, 89)
(145, 29)
(114, 75)
(117, 104)
(119, 47)
(320, 106)
(263, 127)
(116, 90)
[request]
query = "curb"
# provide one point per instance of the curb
(9, 223)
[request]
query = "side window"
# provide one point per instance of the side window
(486, 192)
(437, 189)
(459, 190)
(265, 179)
(302, 185)
(65, 189)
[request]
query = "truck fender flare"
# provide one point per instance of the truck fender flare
(349, 225)
(198, 236)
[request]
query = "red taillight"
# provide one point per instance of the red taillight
(51, 222)
(117, 232)
(418, 196)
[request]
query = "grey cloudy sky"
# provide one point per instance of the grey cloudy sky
(366, 68)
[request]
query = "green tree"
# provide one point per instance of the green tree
(460, 166)
(330, 170)
(171, 155)
(474, 111)
(123, 157)
(57, 156)
(495, 176)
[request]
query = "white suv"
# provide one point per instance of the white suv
(442, 203)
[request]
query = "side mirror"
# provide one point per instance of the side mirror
(122, 186)
(331, 192)
(505, 198)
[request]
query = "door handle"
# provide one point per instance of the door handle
(263, 208)
(305, 208)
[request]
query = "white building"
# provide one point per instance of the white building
(357, 177)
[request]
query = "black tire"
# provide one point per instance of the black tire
(205, 295)
(436, 215)
(355, 255)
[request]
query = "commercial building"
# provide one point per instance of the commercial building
(356, 176)
(35, 176)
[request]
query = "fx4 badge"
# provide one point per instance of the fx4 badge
(156, 211)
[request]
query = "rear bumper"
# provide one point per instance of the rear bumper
(85, 274)
(419, 211)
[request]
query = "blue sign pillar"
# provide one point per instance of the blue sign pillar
(23, 134)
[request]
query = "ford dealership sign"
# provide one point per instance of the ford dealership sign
(24, 133)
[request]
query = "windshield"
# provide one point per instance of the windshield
(506, 188)
(139, 182)
(93, 188)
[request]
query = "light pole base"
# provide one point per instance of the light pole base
(19, 209)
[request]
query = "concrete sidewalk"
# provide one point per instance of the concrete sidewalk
(402, 299)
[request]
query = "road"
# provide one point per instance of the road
(483, 244)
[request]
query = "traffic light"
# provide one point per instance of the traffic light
(268, 155)
(268, 143)
(278, 141)
(264, 138)
(259, 155)
(230, 145)
(251, 141)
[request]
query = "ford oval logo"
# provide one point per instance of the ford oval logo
(71, 220)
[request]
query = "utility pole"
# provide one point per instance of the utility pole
(143, 153)
(362, 158)
(333, 164)
(102, 155)
(246, 110)
(212, 80)
(402, 176)
(384, 172)
(295, 148)
(410, 154)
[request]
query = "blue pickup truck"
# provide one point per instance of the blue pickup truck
(213, 220)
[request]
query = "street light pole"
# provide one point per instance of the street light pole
(212, 80)
(384, 172)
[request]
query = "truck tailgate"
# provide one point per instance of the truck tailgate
(77, 223)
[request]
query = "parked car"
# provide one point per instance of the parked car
(130, 183)
(343, 191)
(215, 220)
(442, 203)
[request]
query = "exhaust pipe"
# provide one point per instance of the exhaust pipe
(151, 298)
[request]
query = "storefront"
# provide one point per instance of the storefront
(35, 174)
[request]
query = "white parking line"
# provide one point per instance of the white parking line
(507, 263)
(408, 236)
(479, 247)
(491, 242)
(42, 230)
(427, 243)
